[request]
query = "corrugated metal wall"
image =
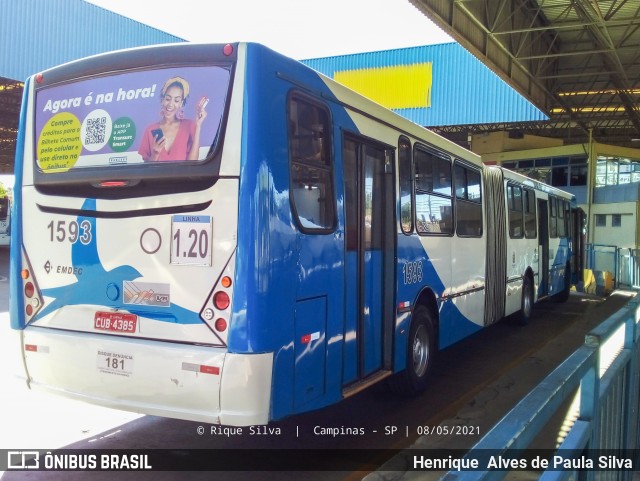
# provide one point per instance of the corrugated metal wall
(463, 90)
(38, 34)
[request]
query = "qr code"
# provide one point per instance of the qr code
(95, 131)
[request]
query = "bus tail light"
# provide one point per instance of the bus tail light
(221, 300)
(32, 298)
(220, 325)
(216, 312)
(114, 183)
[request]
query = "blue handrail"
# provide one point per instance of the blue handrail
(609, 390)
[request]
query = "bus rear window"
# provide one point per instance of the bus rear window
(133, 118)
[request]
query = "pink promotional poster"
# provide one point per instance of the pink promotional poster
(162, 115)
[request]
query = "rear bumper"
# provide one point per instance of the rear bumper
(180, 381)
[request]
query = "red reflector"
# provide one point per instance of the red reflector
(307, 338)
(221, 300)
(34, 348)
(227, 49)
(29, 309)
(39, 78)
(29, 289)
(221, 325)
(209, 369)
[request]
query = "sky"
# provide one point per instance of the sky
(297, 28)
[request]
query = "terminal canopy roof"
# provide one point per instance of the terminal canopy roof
(576, 60)
(38, 34)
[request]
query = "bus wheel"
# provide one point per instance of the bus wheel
(421, 346)
(526, 303)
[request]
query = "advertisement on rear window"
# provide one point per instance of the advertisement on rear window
(164, 115)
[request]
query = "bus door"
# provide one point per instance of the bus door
(543, 248)
(370, 247)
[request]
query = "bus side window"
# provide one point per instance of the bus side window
(516, 230)
(312, 191)
(468, 202)
(433, 184)
(562, 224)
(406, 185)
(530, 222)
(553, 217)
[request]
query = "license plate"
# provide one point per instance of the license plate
(115, 322)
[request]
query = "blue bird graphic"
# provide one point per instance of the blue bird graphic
(90, 287)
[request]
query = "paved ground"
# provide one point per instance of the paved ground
(486, 408)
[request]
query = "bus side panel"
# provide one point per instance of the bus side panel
(468, 277)
(559, 254)
(418, 271)
(265, 238)
(521, 255)
(414, 273)
(310, 350)
(297, 267)
(454, 326)
(16, 300)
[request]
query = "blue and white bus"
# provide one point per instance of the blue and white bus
(220, 233)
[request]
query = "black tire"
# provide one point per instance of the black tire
(421, 349)
(526, 301)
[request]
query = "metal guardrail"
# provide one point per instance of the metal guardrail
(629, 267)
(623, 263)
(605, 370)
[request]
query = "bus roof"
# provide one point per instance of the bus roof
(527, 181)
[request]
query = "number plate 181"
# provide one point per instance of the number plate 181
(191, 240)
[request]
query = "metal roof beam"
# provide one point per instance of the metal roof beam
(527, 43)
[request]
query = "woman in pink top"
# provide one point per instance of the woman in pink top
(173, 137)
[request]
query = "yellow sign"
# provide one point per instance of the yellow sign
(59, 144)
(397, 87)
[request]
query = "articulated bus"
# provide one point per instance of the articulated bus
(220, 233)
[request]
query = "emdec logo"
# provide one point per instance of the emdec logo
(23, 460)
